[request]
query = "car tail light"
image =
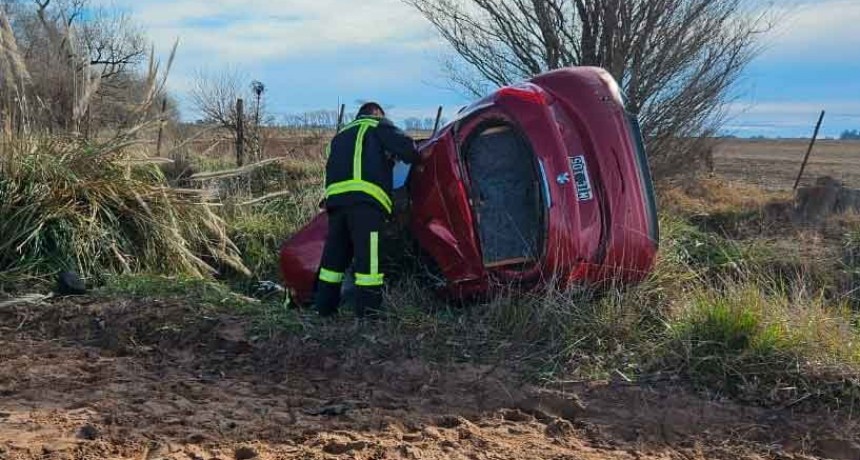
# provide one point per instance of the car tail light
(526, 94)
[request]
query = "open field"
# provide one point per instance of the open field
(774, 164)
(743, 344)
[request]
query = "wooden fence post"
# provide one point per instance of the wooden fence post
(240, 133)
(161, 127)
(809, 150)
(340, 118)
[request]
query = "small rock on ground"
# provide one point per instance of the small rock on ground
(245, 453)
(340, 448)
(88, 432)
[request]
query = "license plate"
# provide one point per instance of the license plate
(580, 178)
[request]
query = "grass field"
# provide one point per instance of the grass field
(774, 164)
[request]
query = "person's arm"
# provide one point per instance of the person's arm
(397, 142)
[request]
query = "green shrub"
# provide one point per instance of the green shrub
(751, 337)
(703, 250)
(259, 235)
(259, 229)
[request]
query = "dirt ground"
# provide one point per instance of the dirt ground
(774, 164)
(111, 378)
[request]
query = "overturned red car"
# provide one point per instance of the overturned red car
(542, 182)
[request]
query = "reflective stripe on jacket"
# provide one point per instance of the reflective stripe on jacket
(361, 162)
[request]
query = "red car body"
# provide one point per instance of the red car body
(594, 217)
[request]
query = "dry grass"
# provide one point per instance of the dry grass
(73, 206)
(264, 209)
(717, 195)
(99, 207)
(747, 318)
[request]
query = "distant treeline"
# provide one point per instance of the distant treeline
(847, 135)
(327, 119)
(850, 135)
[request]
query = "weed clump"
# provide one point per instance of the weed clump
(753, 341)
(288, 196)
(99, 210)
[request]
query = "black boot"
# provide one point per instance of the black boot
(368, 302)
(327, 299)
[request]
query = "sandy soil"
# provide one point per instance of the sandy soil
(98, 378)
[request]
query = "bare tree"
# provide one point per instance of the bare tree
(113, 41)
(419, 124)
(412, 123)
(214, 96)
(77, 56)
(676, 60)
(15, 79)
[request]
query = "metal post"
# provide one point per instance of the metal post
(240, 133)
(340, 117)
(259, 88)
(258, 147)
(438, 119)
(257, 112)
(809, 150)
(161, 127)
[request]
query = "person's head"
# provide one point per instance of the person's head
(371, 109)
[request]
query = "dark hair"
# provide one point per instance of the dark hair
(369, 107)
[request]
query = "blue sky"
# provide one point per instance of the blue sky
(315, 53)
(811, 62)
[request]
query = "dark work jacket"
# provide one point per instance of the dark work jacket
(382, 145)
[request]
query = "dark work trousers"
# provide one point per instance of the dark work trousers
(353, 235)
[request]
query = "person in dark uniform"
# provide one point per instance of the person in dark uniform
(359, 175)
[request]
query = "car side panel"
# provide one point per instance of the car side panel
(300, 258)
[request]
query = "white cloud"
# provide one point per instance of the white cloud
(817, 29)
(791, 108)
(250, 31)
(257, 36)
